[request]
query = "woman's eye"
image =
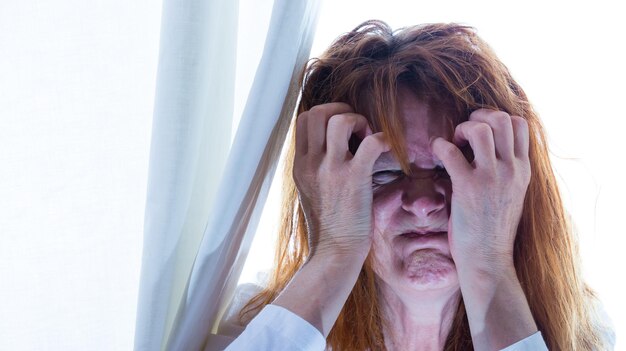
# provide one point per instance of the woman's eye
(385, 177)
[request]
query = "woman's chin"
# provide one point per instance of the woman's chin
(428, 270)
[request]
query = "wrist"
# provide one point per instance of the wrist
(497, 308)
(480, 287)
(320, 288)
(485, 270)
(337, 262)
(346, 252)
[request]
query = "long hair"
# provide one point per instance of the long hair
(455, 72)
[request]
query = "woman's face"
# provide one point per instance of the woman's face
(410, 243)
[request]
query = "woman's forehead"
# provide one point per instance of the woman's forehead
(421, 121)
(417, 158)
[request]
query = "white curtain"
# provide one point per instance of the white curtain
(77, 91)
(204, 197)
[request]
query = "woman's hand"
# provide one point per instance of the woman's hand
(487, 202)
(488, 194)
(334, 186)
(335, 189)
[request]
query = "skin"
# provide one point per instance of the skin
(477, 208)
(418, 279)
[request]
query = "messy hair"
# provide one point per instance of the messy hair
(455, 72)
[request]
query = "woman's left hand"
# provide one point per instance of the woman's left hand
(487, 202)
(488, 193)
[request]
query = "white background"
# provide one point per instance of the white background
(77, 81)
(569, 58)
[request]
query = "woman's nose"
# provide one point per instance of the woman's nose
(421, 198)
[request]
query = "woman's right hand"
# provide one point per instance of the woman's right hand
(335, 186)
(335, 190)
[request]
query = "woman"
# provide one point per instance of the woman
(423, 212)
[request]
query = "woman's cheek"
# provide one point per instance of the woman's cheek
(385, 204)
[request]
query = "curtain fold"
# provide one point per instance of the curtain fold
(248, 173)
(201, 216)
(191, 136)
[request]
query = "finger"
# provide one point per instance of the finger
(340, 128)
(452, 158)
(317, 118)
(301, 134)
(520, 130)
(369, 151)
(480, 137)
(501, 124)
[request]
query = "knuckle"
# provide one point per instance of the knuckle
(373, 139)
(448, 151)
(373, 142)
(501, 118)
(482, 129)
(314, 122)
(500, 115)
(319, 119)
(316, 110)
(302, 118)
(494, 116)
(520, 122)
(334, 122)
(478, 112)
(341, 120)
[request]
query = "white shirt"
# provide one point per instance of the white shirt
(276, 328)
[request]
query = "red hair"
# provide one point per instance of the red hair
(454, 71)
